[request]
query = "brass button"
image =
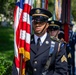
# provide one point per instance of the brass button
(35, 69)
(35, 62)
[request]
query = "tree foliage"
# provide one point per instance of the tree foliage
(5, 67)
(73, 8)
(7, 7)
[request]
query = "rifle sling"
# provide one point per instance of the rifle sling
(56, 48)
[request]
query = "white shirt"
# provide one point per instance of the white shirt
(42, 38)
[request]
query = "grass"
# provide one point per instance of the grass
(7, 43)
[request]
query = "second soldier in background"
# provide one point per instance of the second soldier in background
(71, 50)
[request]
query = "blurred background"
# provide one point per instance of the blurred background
(7, 31)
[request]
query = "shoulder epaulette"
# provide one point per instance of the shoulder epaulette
(63, 41)
(54, 39)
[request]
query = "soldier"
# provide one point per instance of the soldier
(69, 55)
(71, 47)
(48, 58)
(54, 29)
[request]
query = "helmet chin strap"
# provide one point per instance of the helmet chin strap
(43, 29)
(56, 34)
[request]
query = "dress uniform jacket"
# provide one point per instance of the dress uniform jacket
(58, 64)
(72, 50)
(72, 45)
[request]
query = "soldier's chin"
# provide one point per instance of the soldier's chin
(37, 32)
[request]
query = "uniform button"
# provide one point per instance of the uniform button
(35, 69)
(35, 62)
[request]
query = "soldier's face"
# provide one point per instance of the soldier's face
(40, 27)
(53, 32)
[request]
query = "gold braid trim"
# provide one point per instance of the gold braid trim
(54, 25)
(40, 15)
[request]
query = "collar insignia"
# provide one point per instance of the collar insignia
(47, 42)
(32, 39)
(18, 0)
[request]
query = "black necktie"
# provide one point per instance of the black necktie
(38, 44)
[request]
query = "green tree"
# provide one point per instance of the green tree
(7, 7)
(73, 8)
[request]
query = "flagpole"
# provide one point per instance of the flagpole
(20, 44)
(46, 4)
(66, 5)
(20, 70)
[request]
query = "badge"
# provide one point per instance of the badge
(37, 11)
(63, 59)
(52, 22)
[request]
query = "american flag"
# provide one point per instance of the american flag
(58, 9)
(22, 33)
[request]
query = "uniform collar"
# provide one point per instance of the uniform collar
(45, 45)
(42, 38)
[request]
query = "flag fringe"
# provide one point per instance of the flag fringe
(25, 53)
(23, 71)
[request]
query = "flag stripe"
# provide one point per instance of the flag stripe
(25, 19)
(25, 10)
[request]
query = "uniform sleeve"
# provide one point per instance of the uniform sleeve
(61, 66)
(14, 70)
